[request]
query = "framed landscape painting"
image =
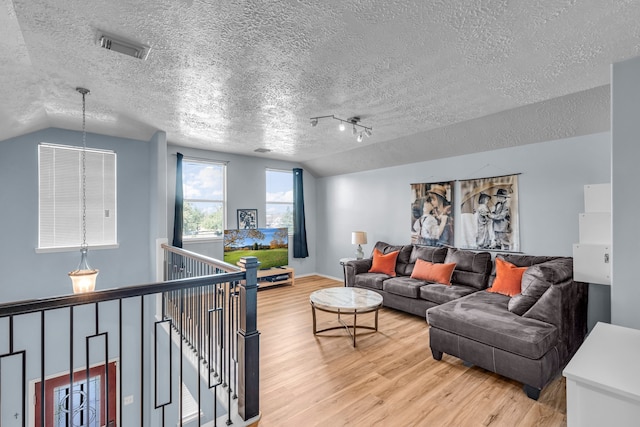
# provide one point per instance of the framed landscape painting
(431, 214)
(489, 213)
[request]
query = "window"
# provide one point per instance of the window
(60, 197)
(203, 185)
(279, 199)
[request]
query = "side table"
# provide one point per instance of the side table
(343, 263)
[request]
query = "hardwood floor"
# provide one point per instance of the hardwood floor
(389, 379)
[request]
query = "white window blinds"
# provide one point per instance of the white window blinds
(60, 196)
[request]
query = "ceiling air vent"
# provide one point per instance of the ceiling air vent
(261, 150)
(122, 45)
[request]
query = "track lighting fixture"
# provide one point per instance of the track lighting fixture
(353, 121)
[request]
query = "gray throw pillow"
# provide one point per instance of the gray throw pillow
(537, 279)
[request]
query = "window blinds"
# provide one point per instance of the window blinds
(60, 196)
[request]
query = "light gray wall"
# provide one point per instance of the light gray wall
(246, 189)
(551, 184)
(27, 274)
(157, 202)
(625, 152)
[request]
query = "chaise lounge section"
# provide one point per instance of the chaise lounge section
(529, 337)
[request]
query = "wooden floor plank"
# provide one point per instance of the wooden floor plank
(389, 379)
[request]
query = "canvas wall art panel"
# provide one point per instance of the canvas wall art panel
(431, 214)
(489, 217)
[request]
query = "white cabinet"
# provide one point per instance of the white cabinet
(591, 263)
(602, 379)
(592, 256)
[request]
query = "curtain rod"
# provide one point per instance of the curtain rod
(226, 162)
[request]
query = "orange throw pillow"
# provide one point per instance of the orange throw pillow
(384, 263)
(508, 278)
(439, 273)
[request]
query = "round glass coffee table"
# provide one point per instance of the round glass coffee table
(346, 301)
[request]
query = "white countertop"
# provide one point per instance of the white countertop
(609, 359)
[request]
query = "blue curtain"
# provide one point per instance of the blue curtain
(177, 219)
(299, 230)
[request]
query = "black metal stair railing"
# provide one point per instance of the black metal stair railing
(209, 316)
(116, 357)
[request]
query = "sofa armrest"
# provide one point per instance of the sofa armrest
(564, 305)
(353, 268)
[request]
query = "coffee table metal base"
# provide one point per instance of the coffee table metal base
(343, 324)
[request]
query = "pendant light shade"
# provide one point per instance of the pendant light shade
(84, 277)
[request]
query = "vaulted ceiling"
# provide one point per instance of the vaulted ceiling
(432, 78)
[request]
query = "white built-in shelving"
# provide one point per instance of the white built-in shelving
(592, 256)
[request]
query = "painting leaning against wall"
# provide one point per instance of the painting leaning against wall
(489, 213)
(431, 214)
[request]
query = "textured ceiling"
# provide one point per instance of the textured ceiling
(234, 76)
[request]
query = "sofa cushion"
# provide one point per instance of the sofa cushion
(472, 268)
(430, 272)
(427, 253)
(384, 263)
(440, 294)
(370, 280)
(508, 278)
(404, 286)
(402, 262)
(537, 279)
(483, 317)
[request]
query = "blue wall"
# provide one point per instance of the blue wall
(551, 196)
(246, 189)
(27, 274)
(625, 246)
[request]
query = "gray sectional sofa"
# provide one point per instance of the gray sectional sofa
(528, 337)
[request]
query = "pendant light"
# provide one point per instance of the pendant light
(84, 277)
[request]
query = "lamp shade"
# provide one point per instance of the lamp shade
(84, 277)
(358, 237)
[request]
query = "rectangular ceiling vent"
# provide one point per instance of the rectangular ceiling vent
(122, 45)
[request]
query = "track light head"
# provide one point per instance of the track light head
(359, 139)
(314, 122)
(354, 131)
(367, 131)
(341, 126)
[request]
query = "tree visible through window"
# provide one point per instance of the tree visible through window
(279, 199)
(203, 185)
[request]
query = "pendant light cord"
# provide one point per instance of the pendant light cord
(84, 92)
